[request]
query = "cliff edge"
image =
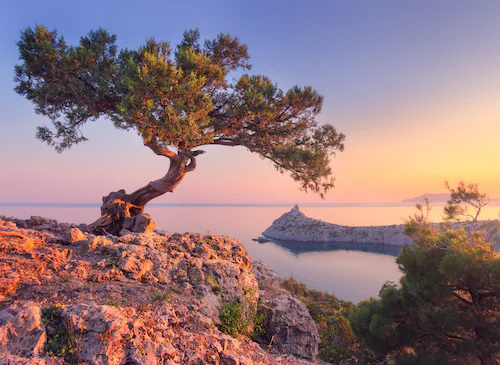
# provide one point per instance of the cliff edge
(67, 296)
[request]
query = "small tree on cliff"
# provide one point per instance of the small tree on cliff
(176, 100)
(447, 308)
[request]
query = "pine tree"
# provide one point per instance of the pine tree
(177, 100)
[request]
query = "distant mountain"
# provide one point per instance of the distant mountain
(431, 197)
(437, 198)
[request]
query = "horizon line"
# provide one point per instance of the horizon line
(240, 204)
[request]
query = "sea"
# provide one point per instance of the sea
(351, 272)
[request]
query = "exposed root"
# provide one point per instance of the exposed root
(12, 234)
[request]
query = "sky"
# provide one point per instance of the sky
(414, 85)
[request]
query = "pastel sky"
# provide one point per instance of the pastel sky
(415, 86)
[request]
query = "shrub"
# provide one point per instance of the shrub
(338, 344)
(163, 297)
(233, 318)
(294, 287)
(61, 340)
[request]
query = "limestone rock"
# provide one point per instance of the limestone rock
(74, 235)
(36, 221)
(295, 226)
(9, 282)
(141, 298)
(22, 333)
(289, 327)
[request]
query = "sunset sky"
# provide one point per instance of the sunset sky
(415, 86)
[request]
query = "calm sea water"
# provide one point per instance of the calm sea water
(352, 272)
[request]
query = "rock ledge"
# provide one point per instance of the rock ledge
(138, 299)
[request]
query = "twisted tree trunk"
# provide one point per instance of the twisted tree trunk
(119, 207)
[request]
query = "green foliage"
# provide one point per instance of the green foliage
(61, 340)
(338, 343)
(259, 324)
(115, 303)
(234, 318)
(212, 282)
(181, 97)
(462, 198)
(294, 287)
(113, 261)
(161, 297)
(446, 309)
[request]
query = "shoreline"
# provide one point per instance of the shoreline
(295, 226)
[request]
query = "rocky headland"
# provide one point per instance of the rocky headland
(295, 226)
(68, 296)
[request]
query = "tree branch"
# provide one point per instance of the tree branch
(227, 142)
(463, 299)
(12, 234)
(161, 151)
(488, 294)
(238, 142)
(456, 337)
(191, 155)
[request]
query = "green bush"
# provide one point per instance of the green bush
(61, 340)
(338, 343)
(259, 324)
(294, 287)
(233, 318)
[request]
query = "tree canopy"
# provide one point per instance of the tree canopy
(181, 98)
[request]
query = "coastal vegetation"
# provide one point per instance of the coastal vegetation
(338, 343)
(177, 100)
(446, 309)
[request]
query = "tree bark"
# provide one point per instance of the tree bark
(119, 206)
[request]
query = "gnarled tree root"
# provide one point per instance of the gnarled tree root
(12, 234)
(118, 206)
(115, 210)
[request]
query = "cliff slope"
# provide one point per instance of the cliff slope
(67, 296)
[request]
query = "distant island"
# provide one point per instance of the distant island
(430, 197)
(295, 226)
(436, 198)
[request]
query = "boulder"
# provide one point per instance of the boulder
(287, 324)
(74, 235)
(22, 333)
(289, 327)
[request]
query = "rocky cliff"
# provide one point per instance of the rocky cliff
(67, 296)
(295, 226)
